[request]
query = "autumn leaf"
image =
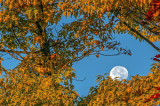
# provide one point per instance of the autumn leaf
(106, 26)
(156, 14)
(97, 42)
(157, 95)
(158, 88)
(128, 89)
(155, 59)
(102, 48)
(97, 32)
(86, 37)
(53, 56)
(37, 38)
(157, 56)
(76, 35)
(152, 97)
(124, 85)
(155, 29)
(71, 42)
(129, 54)
(148, 100)
(97, 55)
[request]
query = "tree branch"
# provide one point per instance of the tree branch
(25, 52)
(141, 36)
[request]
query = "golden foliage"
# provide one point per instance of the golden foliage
(21, 87)
(139, 90)
(44, 76)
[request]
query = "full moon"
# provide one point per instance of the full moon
(120, 72)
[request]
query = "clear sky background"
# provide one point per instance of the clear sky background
(138, 63)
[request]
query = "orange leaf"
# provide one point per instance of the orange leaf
(124, 85)
(97, 55)
(102, 48)
(128, 89)
(97, 42)
(156, 14)
(96, 33)
(76, 35)
(106, 25)
(51, 2)
(37, 38)
(52, 56)
(86, 37)
(27, 83)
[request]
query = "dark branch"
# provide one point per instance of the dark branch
(80, 80)
(3, 50)
(141, 36)
(12, 51)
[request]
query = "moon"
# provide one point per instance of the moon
(120, 72)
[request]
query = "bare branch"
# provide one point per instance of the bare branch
(79, 79)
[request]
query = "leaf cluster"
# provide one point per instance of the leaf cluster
(140, 90)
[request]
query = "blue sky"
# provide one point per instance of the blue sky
(138, 63)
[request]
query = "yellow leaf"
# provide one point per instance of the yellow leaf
(10, 6)
(64, 13)
(68, 14)
(155, 29)
(128, 89)
(51, 2)
(76, 35)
